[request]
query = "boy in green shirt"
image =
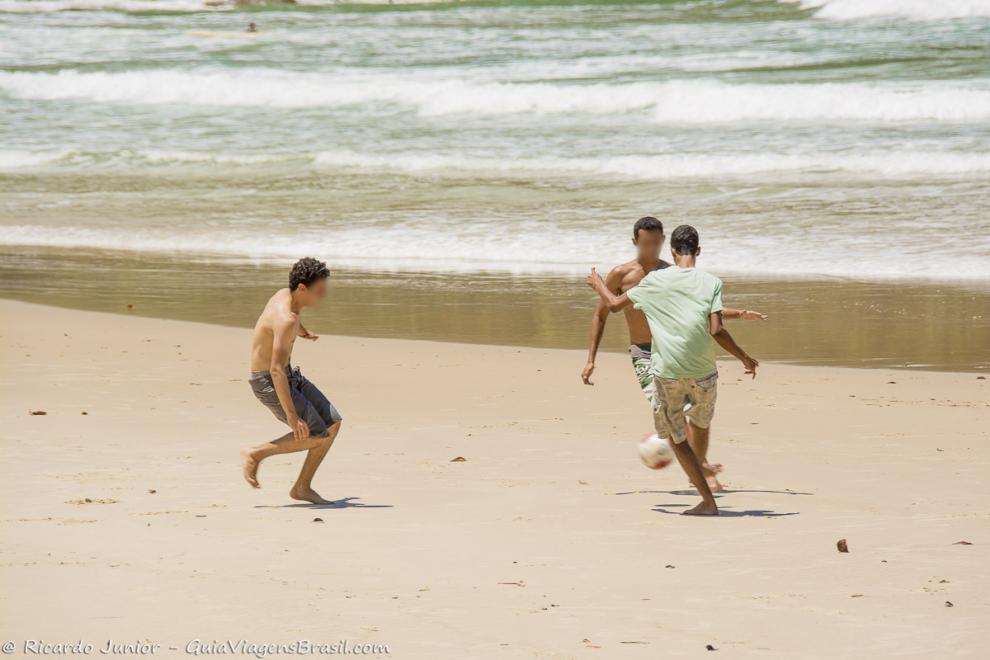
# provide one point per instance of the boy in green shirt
(684, 309)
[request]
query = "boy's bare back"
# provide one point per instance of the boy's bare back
(277, 314)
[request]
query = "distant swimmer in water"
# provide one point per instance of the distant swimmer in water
(251, 27)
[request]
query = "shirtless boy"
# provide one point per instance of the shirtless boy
(684, 309)
(284, 390)
(648, 238)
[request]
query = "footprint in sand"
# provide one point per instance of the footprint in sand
(87, 500)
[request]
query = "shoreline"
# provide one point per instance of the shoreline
(927, 327)
(575, 547)
(722, 358)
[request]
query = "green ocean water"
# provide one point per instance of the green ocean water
(847, 138)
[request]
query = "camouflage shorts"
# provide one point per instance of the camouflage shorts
(679, 399)
(682, 400)
(640, 354)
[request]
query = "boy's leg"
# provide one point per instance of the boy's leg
(642, 365)
(303, 488)
(318, 435)
(703, 394)
(319, 405)
(671, 423)
(689, 462)
(251, 457)
(698, 439)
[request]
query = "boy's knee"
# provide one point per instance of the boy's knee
(333, 426)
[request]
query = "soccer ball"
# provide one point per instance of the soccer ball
(655, 452)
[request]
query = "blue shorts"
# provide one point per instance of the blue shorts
(311, 406)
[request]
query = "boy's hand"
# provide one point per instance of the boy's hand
(750, 315)
(593, 279)
(751, 364)
(586, 374)
(309, 335)
(300, 429)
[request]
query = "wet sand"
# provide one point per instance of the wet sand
(124, 514)
(815, 322)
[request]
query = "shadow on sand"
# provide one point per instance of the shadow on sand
(724, 512)
(727, 491)
(344, 503)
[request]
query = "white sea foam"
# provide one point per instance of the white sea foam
(524, 249)
(183, 6)
(655, 167)
(672, 166)
(703, 102)
(157, 156)
(447, 101)
(284, 89)
(834, 9)
(16, 159)
(49, 6)
(919, 10)
(695, 102)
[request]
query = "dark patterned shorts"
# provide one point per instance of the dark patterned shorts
(311, 406)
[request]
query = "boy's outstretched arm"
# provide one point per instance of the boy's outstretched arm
(725, 340)
(613, 282)
(744, 314)
(612, 301)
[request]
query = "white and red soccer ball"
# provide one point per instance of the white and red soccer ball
(655, 452)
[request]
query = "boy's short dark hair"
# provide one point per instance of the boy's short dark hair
(647, 223)
(684, 240)
(306, 271)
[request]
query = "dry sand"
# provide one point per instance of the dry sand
(550, 540)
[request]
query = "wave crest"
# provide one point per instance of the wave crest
(647, 167)
(919, 10)
(691, 102)
(521, 248)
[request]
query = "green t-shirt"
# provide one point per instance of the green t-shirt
(677, 303)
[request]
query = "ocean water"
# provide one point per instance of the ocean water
(834, 138)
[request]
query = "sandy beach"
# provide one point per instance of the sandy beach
(460, 167)
(125, 517)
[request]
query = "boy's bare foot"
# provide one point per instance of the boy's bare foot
(250, 466)
(307, 495)
(711, 471)
(703, 509)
